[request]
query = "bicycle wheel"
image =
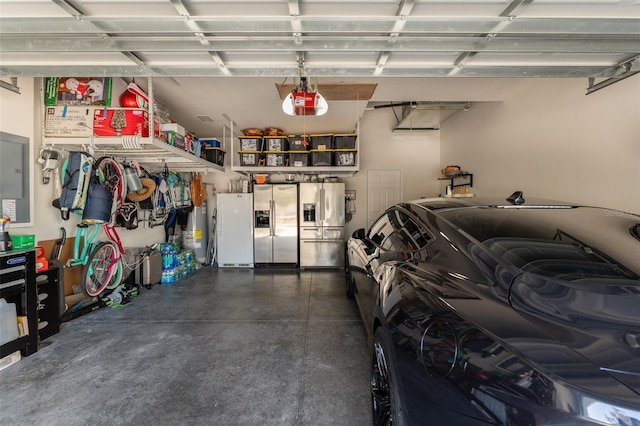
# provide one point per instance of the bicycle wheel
(110, 175)
(99, 269)
(116, 278)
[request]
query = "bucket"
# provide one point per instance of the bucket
(8, 322)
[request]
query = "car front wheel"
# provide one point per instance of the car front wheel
(349, 283)
(385, 397)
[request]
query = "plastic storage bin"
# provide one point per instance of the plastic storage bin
(298, 159)
(214, 155)
(344, 157)
(298, 142)
(344, 141)
(251, 143)
(249, 158)
(210, 143)
(276, 143)
(322, 142)
(276, 159)
(8, 322)
(321, 157)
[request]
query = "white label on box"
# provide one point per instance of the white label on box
(68, 121)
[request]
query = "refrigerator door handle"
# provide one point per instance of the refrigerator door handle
(322, 204)
(272, 218)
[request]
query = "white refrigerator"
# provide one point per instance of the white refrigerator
(234, 230)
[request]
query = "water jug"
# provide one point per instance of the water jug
(8, 322)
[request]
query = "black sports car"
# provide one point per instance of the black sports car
(500, 312)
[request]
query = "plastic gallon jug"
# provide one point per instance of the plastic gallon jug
(8, 322)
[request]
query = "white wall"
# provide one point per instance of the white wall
(16, 117)
(546, 138)
(19, 114)
(415, 154)
(550, 140)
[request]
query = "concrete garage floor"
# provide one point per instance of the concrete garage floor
(222, 347)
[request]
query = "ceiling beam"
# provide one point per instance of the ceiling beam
(70, 9)
(182, 9)
(325, 25)
(404, 10)
(339, 71)
(193, 43)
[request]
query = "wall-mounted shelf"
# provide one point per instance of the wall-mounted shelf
(465, 176)
(230, 139)
(459, 189)
(308, 170)
(151, 153)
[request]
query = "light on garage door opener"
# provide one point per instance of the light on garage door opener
(304, 101)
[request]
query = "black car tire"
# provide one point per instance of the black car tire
(349, 284)
(387, 404)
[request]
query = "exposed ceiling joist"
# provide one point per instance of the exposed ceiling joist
(420, 38)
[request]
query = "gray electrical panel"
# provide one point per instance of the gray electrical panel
(15, 177)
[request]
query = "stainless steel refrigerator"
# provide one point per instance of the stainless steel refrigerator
(321, 210)
(234, 230)
(275, 224)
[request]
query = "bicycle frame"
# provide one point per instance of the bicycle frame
(80, 257)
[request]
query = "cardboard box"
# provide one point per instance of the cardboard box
(173, 127)
(68, 121)
(77, 91)
(120, 122)
(23, 241)
(174, 139)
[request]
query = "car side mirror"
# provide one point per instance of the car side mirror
(359, 234)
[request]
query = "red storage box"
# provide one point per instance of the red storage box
(120, 122)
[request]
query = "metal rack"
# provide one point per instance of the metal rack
(345, 171)
(149, 152)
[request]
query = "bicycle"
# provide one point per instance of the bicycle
(101, 260)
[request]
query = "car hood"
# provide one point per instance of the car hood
(599, 319)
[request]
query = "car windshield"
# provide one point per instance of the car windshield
(564, 243)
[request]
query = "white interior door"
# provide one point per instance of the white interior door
(384, 188)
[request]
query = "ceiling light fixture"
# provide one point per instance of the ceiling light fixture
(304, 100)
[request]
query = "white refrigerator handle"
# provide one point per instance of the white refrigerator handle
(322, 204)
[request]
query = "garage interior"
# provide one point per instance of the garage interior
(541, 96)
